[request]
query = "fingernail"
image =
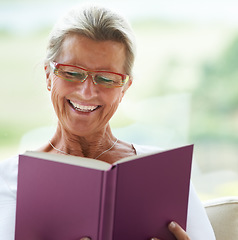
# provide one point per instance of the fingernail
(172, 225)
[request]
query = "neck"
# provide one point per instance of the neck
(86, 146)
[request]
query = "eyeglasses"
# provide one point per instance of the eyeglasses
(78, 74)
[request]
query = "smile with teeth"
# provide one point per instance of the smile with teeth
(83, 108)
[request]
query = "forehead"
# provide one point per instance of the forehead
(83, 51)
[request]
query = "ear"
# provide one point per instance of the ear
(128, 84)
(48, 80)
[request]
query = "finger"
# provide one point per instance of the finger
(178, 232)
(85, 238)
(154, 239)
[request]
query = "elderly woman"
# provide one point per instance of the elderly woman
(88, 70)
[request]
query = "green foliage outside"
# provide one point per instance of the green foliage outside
(216, 98)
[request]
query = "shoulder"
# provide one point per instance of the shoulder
(8, 173)
(198, 224)
(142, 149)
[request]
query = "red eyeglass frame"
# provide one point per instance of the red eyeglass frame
(124, 77)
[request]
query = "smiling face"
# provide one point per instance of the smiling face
(84, 109)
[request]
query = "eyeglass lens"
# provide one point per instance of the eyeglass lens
(77, 74)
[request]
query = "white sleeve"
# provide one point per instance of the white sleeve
(198, 224)
(8, 184)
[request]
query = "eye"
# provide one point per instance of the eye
(75, 75)
(104, 80)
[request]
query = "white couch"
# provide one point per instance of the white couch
(223, 214)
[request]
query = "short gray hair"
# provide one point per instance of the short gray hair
(97, 23)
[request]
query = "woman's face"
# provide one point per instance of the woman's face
(85, 108)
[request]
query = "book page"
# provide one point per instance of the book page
(69, 159)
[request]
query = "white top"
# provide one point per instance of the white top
(198, 225)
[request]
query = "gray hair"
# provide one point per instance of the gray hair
(96, 23)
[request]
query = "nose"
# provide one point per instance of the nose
(87, 89)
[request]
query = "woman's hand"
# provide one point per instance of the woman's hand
(174, 228)
(178, 232)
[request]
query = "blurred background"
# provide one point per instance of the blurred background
(185, 86)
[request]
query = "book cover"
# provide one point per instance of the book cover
(66, 197)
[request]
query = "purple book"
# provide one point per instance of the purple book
(66, 197)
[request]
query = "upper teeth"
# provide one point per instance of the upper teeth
(83, 107)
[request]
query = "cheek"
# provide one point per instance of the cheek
(113, 100)
(60, 88)
(57, 97)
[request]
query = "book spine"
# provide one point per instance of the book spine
(108, 204)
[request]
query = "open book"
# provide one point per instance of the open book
(67, 197)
